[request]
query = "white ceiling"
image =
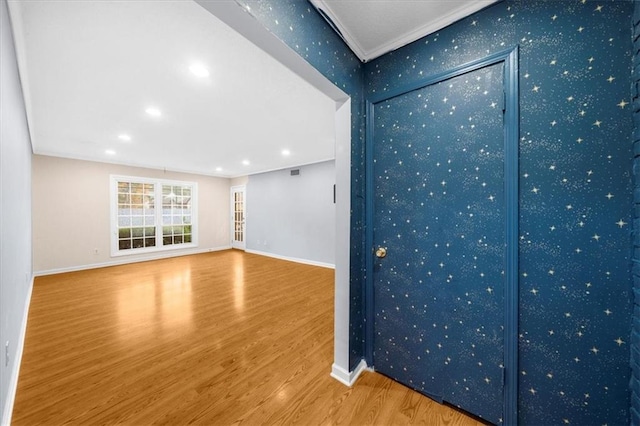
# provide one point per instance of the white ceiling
(374, 27)
(89, 70)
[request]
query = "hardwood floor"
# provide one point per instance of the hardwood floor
(216, 339)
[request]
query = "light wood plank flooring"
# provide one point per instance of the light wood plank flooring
(217, 339)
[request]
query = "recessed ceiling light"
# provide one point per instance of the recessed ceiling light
(246, 162)
(286, 152)
(218, 169)
(154, 112)
(110, 152)
(124, 137)
(199, 70)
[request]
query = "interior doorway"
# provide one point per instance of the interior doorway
(245, 24)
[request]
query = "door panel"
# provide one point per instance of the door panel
(439, 211)
(238, 224)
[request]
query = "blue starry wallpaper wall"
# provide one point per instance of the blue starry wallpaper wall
(576, 192)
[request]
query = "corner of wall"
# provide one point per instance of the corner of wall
(348, 378)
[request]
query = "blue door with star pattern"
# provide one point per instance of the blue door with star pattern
(439, 240)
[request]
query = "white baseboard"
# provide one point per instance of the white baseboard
(15, 371)
(126, 260)
(348, 377)
(292, 259)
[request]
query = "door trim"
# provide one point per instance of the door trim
(509, 58)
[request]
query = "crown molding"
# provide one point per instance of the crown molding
(430, 27)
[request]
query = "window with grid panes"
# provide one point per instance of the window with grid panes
(176, 214)
(136, 215)
(151, 214)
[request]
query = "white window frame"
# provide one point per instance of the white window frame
(158, 183)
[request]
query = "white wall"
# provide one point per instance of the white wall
(66, 238)
(15, 216)
(340, 367)
(293, 216)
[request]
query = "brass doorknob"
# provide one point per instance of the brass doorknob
(381, 252)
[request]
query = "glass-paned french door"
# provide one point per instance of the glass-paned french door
(238, 225)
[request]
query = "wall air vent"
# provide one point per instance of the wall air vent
(295, 172)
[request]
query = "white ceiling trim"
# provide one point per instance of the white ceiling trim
(15, 17)
(403, 39)
(342, 30)
(140, 165)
